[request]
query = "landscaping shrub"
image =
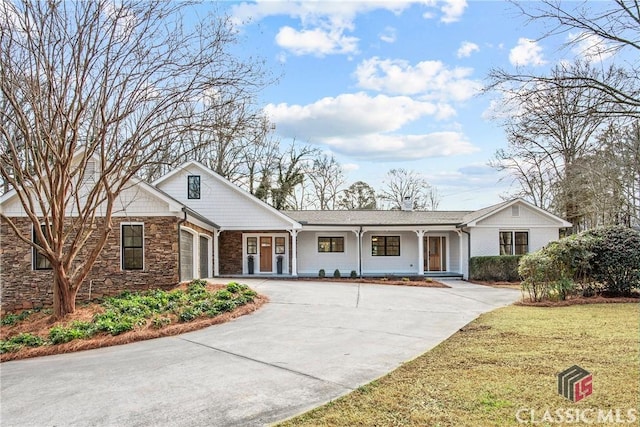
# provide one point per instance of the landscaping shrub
(537, 272)
(321, 273)
(76, 330)
(503, 268)
(616, 258)
(336, 273)
(132, 309)
(353, 274)
(605, 259)
(15, 343)
(12, 319)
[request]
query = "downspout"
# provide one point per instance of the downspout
(468, 251)
(180, 222)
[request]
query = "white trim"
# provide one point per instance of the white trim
(447, 250)
(184, 167)
(209, 258)
(144, 247)
(541, 211)
(274, 256)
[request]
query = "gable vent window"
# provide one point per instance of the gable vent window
(193, 186)
(515, 210)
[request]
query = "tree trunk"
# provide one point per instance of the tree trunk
(64, 295)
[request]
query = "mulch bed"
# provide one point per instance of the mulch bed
(571, 300)
(39, 324)
(395, 281)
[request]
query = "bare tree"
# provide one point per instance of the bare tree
(359, 195)
(550, 129)
(597, 30)
(401, 185)
(116, 81)
(278, 186)
(326, 177)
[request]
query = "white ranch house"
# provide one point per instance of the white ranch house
(193, 223)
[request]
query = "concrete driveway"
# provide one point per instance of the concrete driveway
(312, 343)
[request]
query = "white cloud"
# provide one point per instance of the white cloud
(466, 49)
(388, 35)
(590, 47)
(316, 42)
(392, 147)
(526, 52)
(324, 24)
(453, 10)
(368, 127)
(431, 80)
(349, 167)
(348, 115)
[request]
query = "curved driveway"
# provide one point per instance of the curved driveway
(312, 343)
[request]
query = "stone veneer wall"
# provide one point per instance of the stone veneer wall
(22, 287)
(230, 247)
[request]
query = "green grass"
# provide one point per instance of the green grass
(504, 361)
(131, 310)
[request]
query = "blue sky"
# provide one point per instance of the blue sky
(394, 84)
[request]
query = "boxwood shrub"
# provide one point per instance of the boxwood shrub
(503, 268)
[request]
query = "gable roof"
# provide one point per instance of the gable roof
(410, 218)
(377, 217)
(473, 218)
(230, 185)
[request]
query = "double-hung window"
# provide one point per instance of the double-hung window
(132, 246)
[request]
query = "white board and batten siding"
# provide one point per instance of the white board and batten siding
(222, 202)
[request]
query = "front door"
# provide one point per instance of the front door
(266, 257)
(435, 254)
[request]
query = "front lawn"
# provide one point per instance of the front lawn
(131, 316)
(502, 365)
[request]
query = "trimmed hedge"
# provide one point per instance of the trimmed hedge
(502, 268)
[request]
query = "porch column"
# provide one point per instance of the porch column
(420, 234)
(294, 252)
(358, 257)
(460, 244)
(216, 255)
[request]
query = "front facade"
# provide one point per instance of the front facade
(193, 223)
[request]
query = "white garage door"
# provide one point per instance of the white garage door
(186, 255)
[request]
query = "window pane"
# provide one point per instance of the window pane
(506, 246)
(337, 244)
(280, 245)
(252, 245)
(522, 242)
(132, 258)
